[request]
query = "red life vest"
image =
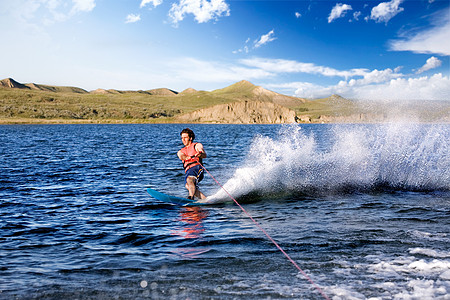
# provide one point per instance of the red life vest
(193, 161)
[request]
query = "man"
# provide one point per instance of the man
(191, 156)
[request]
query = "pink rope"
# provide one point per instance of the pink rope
(271, 239)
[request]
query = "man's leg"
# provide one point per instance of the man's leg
(190, 185)
(199, 178)
(199, 194)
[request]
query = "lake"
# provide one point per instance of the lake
(364, 210)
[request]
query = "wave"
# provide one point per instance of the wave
(345, 158)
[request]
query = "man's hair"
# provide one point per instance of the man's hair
(189, 132)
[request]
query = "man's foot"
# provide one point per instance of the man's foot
(190, 197)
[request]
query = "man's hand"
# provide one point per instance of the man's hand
(183, 156)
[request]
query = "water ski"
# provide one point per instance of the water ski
(173, 199)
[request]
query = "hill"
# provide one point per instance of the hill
(241, 102)
(56, 89)
(189, 91)
(245, 90)
(162, 92)
(11, 83)
(242, 112)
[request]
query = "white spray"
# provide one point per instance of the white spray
(355, 157)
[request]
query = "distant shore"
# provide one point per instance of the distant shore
(239, 103)
(26, 121)
(23, 121)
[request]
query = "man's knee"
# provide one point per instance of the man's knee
(190, 181)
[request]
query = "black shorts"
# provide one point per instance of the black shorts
(195, 171)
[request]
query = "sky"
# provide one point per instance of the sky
(364, 49)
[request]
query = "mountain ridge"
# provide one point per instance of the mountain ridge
(241, 102)
(249, 91)
(240, 91)
(242, 87)
(13, 84)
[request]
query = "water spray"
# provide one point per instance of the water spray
(270, 238)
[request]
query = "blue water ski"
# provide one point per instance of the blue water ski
(173, 199)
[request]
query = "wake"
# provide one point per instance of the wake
(346, 158)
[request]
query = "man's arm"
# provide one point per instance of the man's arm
(201, 151)
(182, 156)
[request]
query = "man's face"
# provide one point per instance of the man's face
(185, 139)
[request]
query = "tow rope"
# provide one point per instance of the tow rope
(270, 238)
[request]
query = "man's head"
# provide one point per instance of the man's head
(187, 136)
(189, 132)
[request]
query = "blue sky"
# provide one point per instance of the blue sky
(363, 49)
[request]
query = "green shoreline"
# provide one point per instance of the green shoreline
(31, 121)
(38, 104)
(140, 121)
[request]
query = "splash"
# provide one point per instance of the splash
(345, 158)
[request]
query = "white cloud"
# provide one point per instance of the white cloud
(132, 18)
(83, 5)
(203, 10)
(212, 71)
(385, 11)
(356, 15)
(291, 66)
(363, 84)
(302, 89)
(431, 63)
(154, 2)
(435, 87)
(298, 15)
(244, 49)
(338, 11)
(264, 39)
(44, 12)
(375, 76)
(430, 41)
(22, 11)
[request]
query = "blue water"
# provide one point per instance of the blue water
(364, 210)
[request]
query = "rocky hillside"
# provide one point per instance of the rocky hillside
(246, 112)
(245, 90)
(242, 103)
(11, 83)
(249, 104)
